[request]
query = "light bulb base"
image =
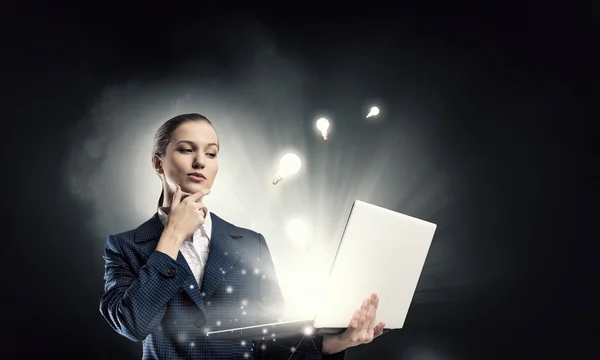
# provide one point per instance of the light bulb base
(276, 179)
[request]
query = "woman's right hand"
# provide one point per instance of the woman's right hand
(187, 215)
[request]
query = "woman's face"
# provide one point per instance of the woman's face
(190, 159)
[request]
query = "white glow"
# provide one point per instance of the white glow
(126, 193)
(288, 165)
(297, 230)
(323, 126)
(308, 277)
(373, 112)
(308, 331)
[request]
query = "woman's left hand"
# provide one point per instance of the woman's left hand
(362, 329)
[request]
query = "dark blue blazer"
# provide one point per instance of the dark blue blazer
(152, 298)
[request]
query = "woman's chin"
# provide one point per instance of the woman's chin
(189, 189)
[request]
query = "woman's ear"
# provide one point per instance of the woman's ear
(157, 164)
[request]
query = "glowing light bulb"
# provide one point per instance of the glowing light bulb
(289, 165)
(374, 111)
(323, 126)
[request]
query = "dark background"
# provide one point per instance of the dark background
(507, 84)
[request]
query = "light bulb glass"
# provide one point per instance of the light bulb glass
(373, 112)
(289, 164)
(323, 124)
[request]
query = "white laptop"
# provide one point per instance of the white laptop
(381, 251)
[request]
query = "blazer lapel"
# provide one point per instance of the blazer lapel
(191, 287)
(223, 253)
(147, 236)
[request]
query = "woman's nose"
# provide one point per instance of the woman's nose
(198, 163)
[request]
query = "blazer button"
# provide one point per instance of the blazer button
(171, 272)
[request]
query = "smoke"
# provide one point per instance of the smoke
(110, 161)
(257, 101)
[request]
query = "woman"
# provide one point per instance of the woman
(186, 271)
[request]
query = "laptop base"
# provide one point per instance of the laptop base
(281, 330)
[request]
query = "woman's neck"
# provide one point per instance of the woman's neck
(166, 208)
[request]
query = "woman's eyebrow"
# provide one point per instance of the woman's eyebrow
(191, 143)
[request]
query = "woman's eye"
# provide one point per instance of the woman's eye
(185, 150)
(212, 155)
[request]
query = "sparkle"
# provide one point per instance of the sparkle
(246, 355)
(256, 271)
(223, 271)
(263, 347)
(191, 286)
(206, 330)
(243, 313)
(244, 302)
(243, 343)
(235, 319)
(182, 337)
(258, 259)
(192, 344)
(218, 322)
(226, 253)
(264, 277)
(265, 331)
(203, 294)
(208, 303)
(308, 331)
(243, 271)
(229, 289)
(242, 307)
(293, 348)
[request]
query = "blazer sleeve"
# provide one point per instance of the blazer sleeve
(135, 303)
(271, 309)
